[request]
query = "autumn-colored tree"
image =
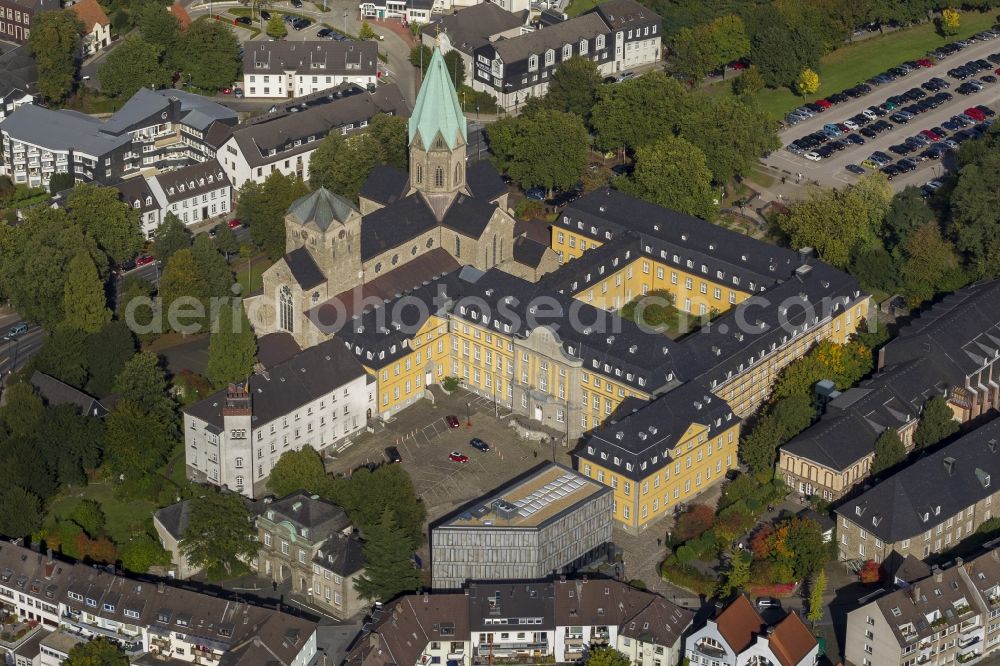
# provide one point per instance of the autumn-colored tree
(950, 21)
(870, 573)
(760, 543)
(694, 522)
(808, 82)
(98, 550)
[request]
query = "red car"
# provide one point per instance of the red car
(933, 136)
(452, 421)
(826, 104)
(145, 260)
(227, 91)
(738, 65)
(455, 456)
(925, 62)
(235, 223)
(975, 113)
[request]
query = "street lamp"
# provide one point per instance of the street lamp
(468, 414)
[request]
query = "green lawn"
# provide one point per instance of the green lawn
(123, 518)
(577, 7)
(251, 280)
(856, 62)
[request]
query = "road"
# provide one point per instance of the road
(830, 171)
(16, 353)
(341, 14)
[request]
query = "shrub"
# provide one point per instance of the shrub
(450, 383)
(687, 577)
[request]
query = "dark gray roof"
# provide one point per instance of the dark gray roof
(287, 386)
(195, 179)
(528, 599)
(322, 208)
(55, 392)
(280, 131)
(469, 215)
(18, 74)
(528, 252)
(342, 554)
(471, 27)
(319, 57)
(624, 14)
(275, 348)
(482, 178)
(175, 518)
(514, 49)
(137, 189)
(309, 511)
(961, 333)
(385, 184)
(304, 268)
(138, 109)
(395, 224)
(935, 487)
(852, 422)
(198, 111)
(60, 130)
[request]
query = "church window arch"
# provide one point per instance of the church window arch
(395, 259)
(458, 174)
(413, 250)
(378, 267)
(458, 246)
(438, 177)
(285, 310)
(420, 173)
(430, 242)
(494, 249)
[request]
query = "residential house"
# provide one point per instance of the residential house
(408, 11)
(927, 507)
(317, 398)
(171, 524)
(947, 616)
(96, 26)
(552, 620)
(949, 351)
(144, 617)
(284, 139)
(339, 562)
(16, 16)
(18, 80)
(739, 636)
(56, 392)
(286, 69)
(137, 193)
(617, 35)
(193, 193)
(472, 27)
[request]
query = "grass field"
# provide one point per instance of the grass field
(251, 280)
(577, 7)
(122, 518)
(856, 62)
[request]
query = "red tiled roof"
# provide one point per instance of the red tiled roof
(90, 14)
(739, 623)
(791, 641)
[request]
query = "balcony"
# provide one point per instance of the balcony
(710, 650)
(971, 638)
(502, 649)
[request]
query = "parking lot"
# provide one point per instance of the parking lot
(424, 440)
(831, 171)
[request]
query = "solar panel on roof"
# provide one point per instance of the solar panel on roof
(524, 513)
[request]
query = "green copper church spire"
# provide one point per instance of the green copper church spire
(437, 108)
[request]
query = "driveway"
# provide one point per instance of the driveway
(830, 172)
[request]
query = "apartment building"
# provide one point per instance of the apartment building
(317, 398)
(739, 636)
(96, 26)
(949, 351)
(146, 619)
(408, 11)
(283, 140)
(284, 69)
(161, 129)
(927, 507)
(473, 27)
(950, 616)
(527, 621)
(16, 15)
(549, 521)
(193, 193)
(616, 35)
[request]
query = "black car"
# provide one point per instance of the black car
(324, 33)
(890, 171)
(297, 4)
(479, 444)
(987, 111)
(301, 23)
(266, 15)
(825, 151)
(869, 132)
(854, 139)
(930, 86)
(906, 165)
(244, 20)
(944, 97)
(126, 266)
(900, 149)
(814, 107)
(854, 168)
(881, 113)
(392, 454)
(932, 153)
(941, 83)
(898, 118)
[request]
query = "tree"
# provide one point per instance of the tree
(120, 21)
(907, 211)
(212, 267)
(97, 652)
(55, 44)
(263, 206)
(794, 414)
(64, 356)
(973, 224)
(737, 578)
(930, 264)
(226, 241)
(889, 451)
(220, 534)
(606, 656)
(298, 470)
(232, 349)
(389, 569)
(60, 182)
(816, 591)
(758, 445)
(732, 133)
(276, 27)
(804, 539)
(143, 382)
(749, 83)
(950, 20)
(691, 53)
(114, 224)
(937, 422)
(181, 282)
(544, 149)
(808, 82)
(638, 112)
(367, 492)
(20, 511)
(875, 268)
(133, 64)
(142, 552)
(729, 40)
(157, 25)
(342, 164)
(22, 411)
(169, 237)
(393, 138)
(84, 305)
(780, 49)
(208, 53)
(573, 87)
(135, 442)
(366, 31)
(89, 516)
(694, 522)
(674, 174)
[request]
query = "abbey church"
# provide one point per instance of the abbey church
(409, 228)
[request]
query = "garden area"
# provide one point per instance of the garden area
(657, 310)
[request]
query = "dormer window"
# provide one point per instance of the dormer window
(583, 47)
(149, 201)
(532, 63)
(567, 52)
(550, 57)
(600, 42)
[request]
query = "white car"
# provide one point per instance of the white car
(933, 185)
(853, 125)
(869, 114)
(812, 155)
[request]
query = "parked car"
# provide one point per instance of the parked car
(266, 15)
(452, 421)
(227, 91)
(243, 20)
(392, 454)
(16, 331)
(813, 156)
(768, 602)
(325, 33)
(455, 456)
(536, 193)
(235, 223)
(301, 23)
(145, 260)
(479, 444)
(854, 168)
(297, 4)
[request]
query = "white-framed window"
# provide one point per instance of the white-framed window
(550, 57)
(532, 63)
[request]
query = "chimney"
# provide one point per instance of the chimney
(161, 587)
(805, 254)
(237, 401)
(949, 465)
